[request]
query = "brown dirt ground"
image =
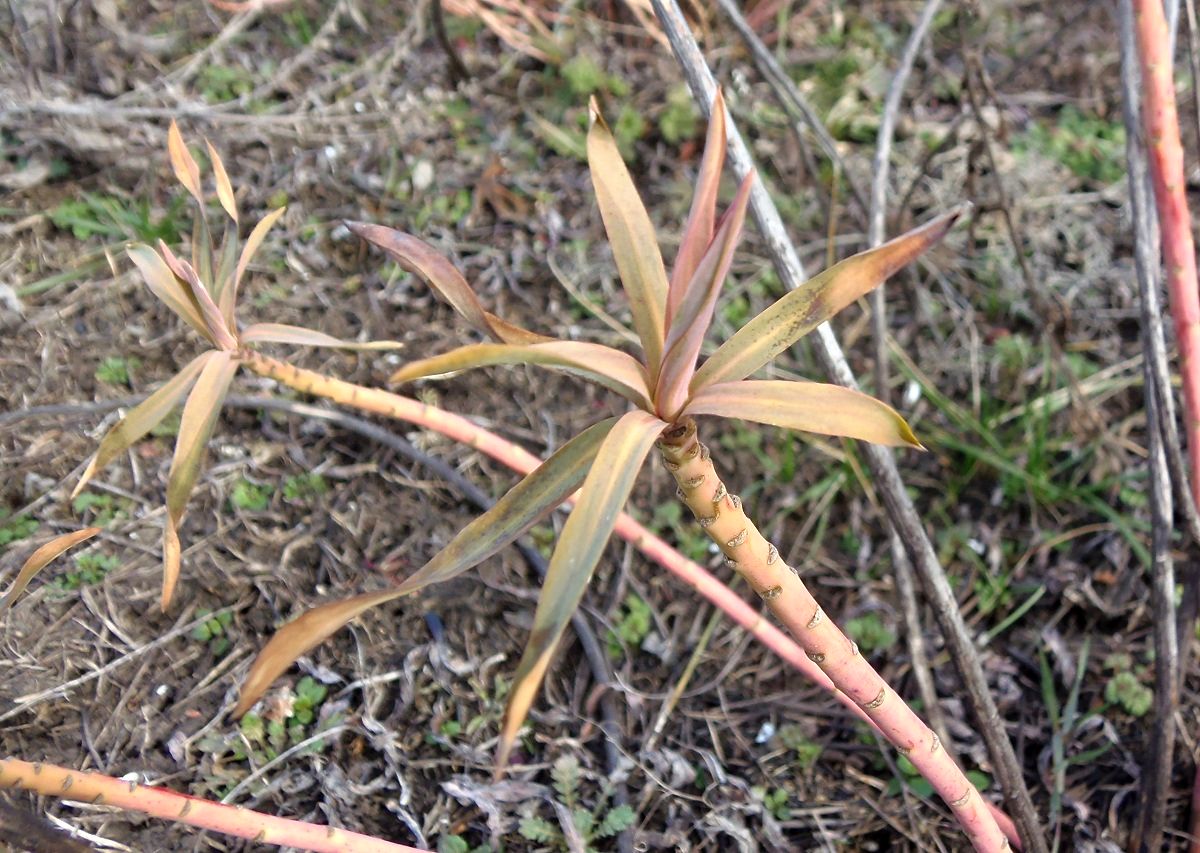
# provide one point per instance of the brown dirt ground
(362, 123)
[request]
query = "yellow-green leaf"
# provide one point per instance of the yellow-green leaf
(631, 234)
(173, 293)
(698, 232)
(545, 488)
(603, 365)
(281, 333)
(257, 234)
(143, 418)
(41, 558)
(579, 548)
(814, 302)
(299, 636)
(686, 335)
(183, 163)
(420, 258)
(224, 187)
(200, 414)
(807, 406)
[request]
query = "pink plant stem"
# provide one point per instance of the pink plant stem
(1175, 221)
(522, 461)
(49, 780)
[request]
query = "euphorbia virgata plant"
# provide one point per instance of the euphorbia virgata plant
(671, 315)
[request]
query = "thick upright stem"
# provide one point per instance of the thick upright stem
(721, 516)
(1174, 218)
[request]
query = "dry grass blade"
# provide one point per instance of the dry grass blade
(806, 406)
(631, 234)
(698, 232)
(686, 336)
(195, 427)
(41, 558)
(257, 235)
(524, 504)
(184, 164)
(299, 636)
(163, 283)
(815, 301)
(281, 333)
(143, 418)
(603, 365)
(418, 257)
(224, 187)
(579, 548)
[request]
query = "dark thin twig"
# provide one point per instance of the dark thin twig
(458, 71)
(32, 833)
(1156, 772)
(876, 216)
(787, 93)
(879, 459)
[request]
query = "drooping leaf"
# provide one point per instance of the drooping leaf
(209, 311)
(183, 163)
(807, 406)
(420, 258)
(539, 493)
(631, 234)
(698, 232)
(144, 417)
(173, 293)
(303, 633)
(814, 302)
(281, 333)
(545, 488)
(686, 335)
(257, 234)
(41, 558)
(579, 548)
(195, 428)
(603, 365)
(224, 187)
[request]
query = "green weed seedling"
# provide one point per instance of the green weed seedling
(807, 751)
(114, 218)
(458, 844)
(90, 569)
(593, 825)
(115, 369)
(251, 497)
(774, 801)
(15, 529)
(870, 633)
(103, 508)
(304, 488)
(213, 631)
(915, 783)
(632, 626)
(1091, 147)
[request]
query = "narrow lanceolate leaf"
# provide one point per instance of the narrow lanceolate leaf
(280, 333)
(814, 302)
(209, 311)
(224, 187)
(539, 493)
(183, 163)
(195, 428)
(698, 232)
(420, 258)
(579, 549)
(806, 406)
(143, 418)
(297, 637)
(631, 234)
(173, 293)
(686, 335)
(603, 365)
(41, 558)
(222, 280)
(545, 488)
(257, 234)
